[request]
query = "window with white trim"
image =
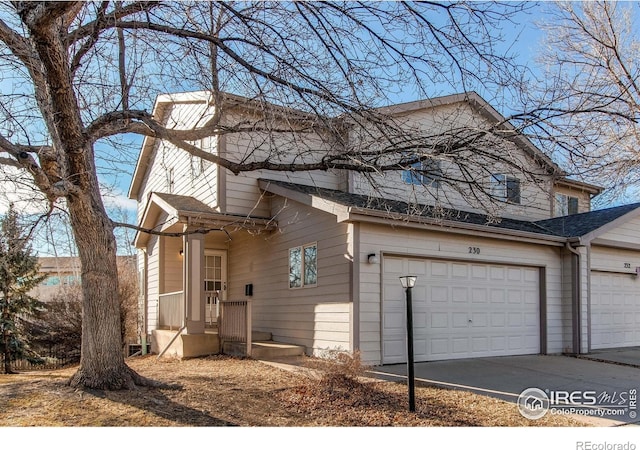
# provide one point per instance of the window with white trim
(565, 205)
(506, 188)
(303, 266)
(425, 173)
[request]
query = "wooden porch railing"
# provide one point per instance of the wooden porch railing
(171, 310)
(234, 323)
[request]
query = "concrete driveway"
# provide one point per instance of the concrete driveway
(506, 377)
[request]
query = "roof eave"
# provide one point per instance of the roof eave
(435, 224)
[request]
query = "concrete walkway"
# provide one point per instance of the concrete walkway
(629, 356)
(506, 377)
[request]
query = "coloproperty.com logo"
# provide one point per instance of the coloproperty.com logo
(534, 403)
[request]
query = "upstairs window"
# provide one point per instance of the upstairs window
(565, 205)
(303, 266)
(424, 173)
(506, 188)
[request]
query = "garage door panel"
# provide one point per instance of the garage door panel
(471, 310)
(417, 267)
(460, 320)
(460, 271)
(439, 320)
(460, 295)
(531, 320)
(439, 294)
(615, 310)
(439, 270)
(498, 320)
(515, 319)
(497, 273)
(479, 272)
(420, 319)
(394, 350)
(480, 344)
(497, 296)
(479, 320)
(439, 347)
(498, 343)
(460, 345)
(515, 296)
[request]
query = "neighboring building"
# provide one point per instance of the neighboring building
(62, 272)
(320, 253)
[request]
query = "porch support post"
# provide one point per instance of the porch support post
(193, 283)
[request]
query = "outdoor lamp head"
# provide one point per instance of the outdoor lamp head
(408, 281)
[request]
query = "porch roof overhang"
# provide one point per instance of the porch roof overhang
(192, 213)
(359, 208)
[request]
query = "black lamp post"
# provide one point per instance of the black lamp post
(408, 282)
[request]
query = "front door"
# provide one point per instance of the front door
(215, 283)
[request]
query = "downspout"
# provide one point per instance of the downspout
(576, 299)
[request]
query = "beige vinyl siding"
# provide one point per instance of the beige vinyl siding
(534, 196)
(614, 259)
(191, 176)
(317, 317)
(171, 278)
(382, 239)
(625, 234)
(241, 192)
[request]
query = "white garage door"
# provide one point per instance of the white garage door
(461, 310)
(615, 310)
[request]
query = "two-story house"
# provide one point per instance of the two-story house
(319, 254)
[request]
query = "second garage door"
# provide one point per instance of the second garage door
(461, 310)
(615, 310)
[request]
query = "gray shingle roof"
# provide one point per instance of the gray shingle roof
(424, 211)
(568, 226)
(186, 204)
(581, 224)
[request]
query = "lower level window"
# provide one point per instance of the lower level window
(303, 266)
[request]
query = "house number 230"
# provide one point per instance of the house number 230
(474, 250)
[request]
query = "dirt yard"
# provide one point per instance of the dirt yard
(223, 391)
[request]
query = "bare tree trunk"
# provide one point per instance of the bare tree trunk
(102, 363)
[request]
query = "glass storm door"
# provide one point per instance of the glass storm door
(215, 283)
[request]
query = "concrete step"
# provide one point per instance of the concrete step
(271, 350)
(263, 349)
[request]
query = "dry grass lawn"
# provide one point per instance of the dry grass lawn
(224, 391)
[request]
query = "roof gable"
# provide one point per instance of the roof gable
(590, 225)
(485, 110)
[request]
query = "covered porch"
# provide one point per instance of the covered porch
(188, 312)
